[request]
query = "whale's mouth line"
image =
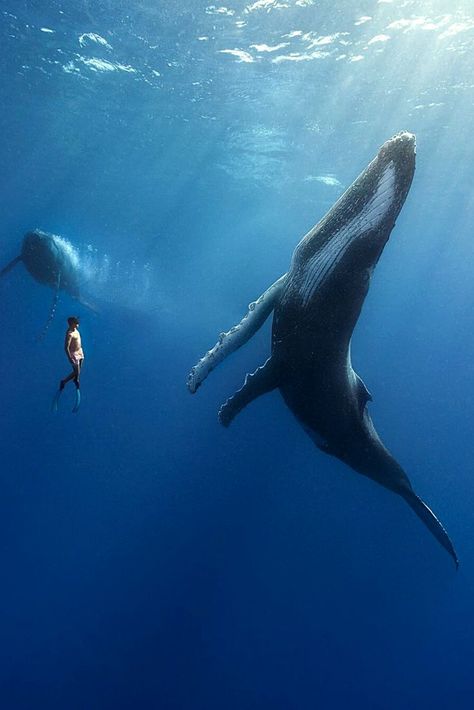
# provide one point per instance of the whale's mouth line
(368, 219)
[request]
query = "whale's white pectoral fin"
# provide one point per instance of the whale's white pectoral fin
(265, 379)
(237, 336)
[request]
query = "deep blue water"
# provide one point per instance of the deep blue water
(149, 557)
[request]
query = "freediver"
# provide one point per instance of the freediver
(75, 355)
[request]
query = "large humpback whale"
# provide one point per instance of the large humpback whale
(316, 306)
(52, 261)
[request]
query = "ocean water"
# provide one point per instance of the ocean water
(149, 557)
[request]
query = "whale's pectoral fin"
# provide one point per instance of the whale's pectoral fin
(238, 335)
(10, 266)
(265, 379)
(91, 306)
(431, 521)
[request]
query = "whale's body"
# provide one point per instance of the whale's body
(52, 261)
(316, 306)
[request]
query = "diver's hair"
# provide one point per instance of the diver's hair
(73, 320)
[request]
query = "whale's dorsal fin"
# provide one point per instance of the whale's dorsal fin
(10, 266)
(363, 394)
(265, 379)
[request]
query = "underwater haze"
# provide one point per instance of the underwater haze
(150, 557)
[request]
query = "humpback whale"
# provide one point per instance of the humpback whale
(315, 308)
(52, 261)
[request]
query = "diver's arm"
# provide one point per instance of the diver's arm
(67, 343)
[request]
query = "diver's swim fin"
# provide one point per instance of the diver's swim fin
(77, 403)
(55, 402)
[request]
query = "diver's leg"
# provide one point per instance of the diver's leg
(77, 371)
(67, 379)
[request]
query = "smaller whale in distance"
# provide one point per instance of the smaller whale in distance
(316, 306)
(52, 261)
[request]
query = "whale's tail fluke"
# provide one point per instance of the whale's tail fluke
(431, 521)
(10, 266)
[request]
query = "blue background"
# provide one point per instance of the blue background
(150, 558)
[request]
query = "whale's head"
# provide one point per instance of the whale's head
(47, 256)
(344, 247)
(41, 257)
